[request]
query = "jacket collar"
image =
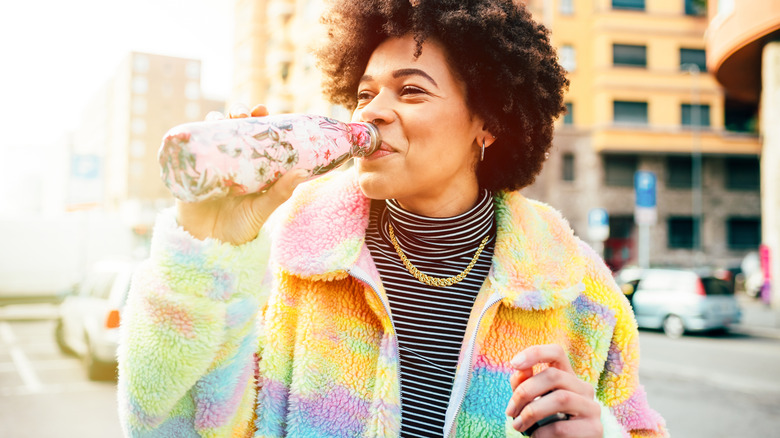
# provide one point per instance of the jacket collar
(537, 262)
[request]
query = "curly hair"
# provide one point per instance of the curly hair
(512, 76)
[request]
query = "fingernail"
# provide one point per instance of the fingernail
(214, 115)
(510, 408)
(518, 423)
(238, 108)
(518, 361)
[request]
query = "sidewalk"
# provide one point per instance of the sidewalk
(757, 318)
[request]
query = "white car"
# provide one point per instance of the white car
(88, 326)
(679, 300)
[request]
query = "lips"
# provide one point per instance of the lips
(384, 149)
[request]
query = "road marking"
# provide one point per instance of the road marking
(23, 365)
(53, 364)
(58, 388)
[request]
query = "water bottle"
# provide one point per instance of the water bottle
(211, 159)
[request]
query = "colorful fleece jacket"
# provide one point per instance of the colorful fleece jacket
(207, 351)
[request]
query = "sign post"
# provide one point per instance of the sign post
(645, 212)
(598, 229)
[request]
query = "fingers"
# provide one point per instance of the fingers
(238, 111)
(551, 354)
(259, 111)
(546, 382)
(214, 115)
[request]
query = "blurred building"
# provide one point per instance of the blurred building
(641, 98)
(743, 52)
(115, 148)
(274, 64)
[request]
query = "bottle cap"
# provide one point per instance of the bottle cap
(376, 139)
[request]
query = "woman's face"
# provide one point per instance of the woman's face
(430, 139)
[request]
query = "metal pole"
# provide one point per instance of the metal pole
(696, 163)
(644, 246)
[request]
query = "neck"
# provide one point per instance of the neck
(441, 206)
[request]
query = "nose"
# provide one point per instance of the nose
(378, 111)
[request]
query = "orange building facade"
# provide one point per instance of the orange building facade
(743, 52)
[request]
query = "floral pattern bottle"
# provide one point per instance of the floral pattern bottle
(212, 159)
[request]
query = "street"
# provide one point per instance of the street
(705, 386)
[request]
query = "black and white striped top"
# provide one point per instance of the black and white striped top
(430, 321)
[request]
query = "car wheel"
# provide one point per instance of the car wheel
(59, 336)
(673, 326)
(96, 369)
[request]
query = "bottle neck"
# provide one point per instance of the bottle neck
(367, 138)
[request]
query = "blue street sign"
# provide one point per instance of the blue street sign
(598, 224)
(598, 217)
(644, 185)
(85, 166)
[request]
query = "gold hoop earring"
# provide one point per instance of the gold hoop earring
(482, 154)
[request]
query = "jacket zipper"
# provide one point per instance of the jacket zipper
(359, 275)
(494, 299)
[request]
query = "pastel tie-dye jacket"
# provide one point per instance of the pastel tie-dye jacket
(206, 351)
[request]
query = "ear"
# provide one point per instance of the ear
(485, 137)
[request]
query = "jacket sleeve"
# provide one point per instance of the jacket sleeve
(625, 411)
(188, 338)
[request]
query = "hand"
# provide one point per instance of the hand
(237, 219)
(554, 390)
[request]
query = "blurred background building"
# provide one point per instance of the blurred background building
(743, 53)
(641, 98)
(121, 130)
(95, 193)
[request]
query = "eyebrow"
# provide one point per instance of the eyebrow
(403, 73)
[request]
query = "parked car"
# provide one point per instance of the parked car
(88, 324)
(679, 300)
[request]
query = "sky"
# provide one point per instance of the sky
(55, 55)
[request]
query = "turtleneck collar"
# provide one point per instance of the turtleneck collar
(423, 236)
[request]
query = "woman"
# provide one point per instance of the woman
(418, 294)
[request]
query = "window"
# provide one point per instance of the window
(689, 114)
(683, 232)
(140, 85)
(619, 170)
(193, 70)
(192, 91)
(743, 173)
(568, 118)
(621, 227)
(140, 63)
(629, 55)
(138, 126)
(629, 4)
(743, 233)
(696, 57)
(630, 112)
(695, 7)
(168, 69)
(567, 167)
(166, 88)
(566, 7)
(567, 56)
(679, 172)
(139, 105)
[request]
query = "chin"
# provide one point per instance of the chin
(375, 186)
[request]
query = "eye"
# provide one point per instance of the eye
(409, 90)
(363, 97)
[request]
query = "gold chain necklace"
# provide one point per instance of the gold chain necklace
(427, 279)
